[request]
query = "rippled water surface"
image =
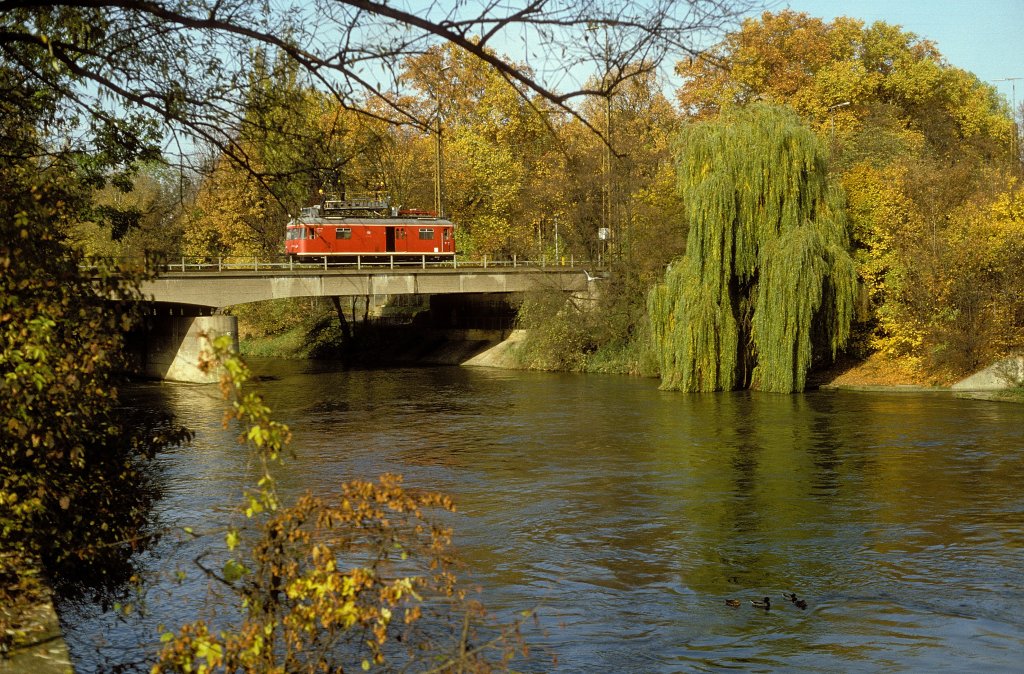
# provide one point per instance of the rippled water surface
(628, 515)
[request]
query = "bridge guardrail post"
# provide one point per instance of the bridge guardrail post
(182, 264)
(485, 262)
(515, 261)
(424, 261)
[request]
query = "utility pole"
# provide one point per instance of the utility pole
(558, 260)
(607, 228)
(832, 119)
(438, 155)
(609, 178)
(1013, 113)
(437, 168)
(607, 205)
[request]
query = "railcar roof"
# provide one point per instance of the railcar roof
(412, 221)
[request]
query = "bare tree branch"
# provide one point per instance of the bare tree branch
(193, 52)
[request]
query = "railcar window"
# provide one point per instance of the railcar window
(426, 233)
(343, 233)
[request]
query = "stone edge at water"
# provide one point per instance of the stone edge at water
(42, 650)
(499, 354)
(1005, 375)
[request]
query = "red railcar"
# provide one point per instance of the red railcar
(345, 228)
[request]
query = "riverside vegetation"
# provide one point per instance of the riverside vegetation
(299, 607)
(921, 159)
(928, 160)
(91, 98)
(928, 157)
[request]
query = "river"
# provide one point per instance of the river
(627, 515)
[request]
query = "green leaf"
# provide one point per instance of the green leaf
(233, 570)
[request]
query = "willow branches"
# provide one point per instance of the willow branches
(767, 282)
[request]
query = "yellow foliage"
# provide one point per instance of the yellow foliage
(229, 213)
(834, 73)
(1008, 207)
(324, 577)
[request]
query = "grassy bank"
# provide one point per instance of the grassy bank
(557, 336)
(315, 339)
(314, 331)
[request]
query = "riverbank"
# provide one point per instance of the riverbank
(32, 640)
(877, 373)
(873, 374)
(377, 345)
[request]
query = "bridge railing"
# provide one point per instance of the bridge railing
(208, 264)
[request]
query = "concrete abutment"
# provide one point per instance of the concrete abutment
(172, 346)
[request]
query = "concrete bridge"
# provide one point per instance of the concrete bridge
(189, 296)
(217, 289)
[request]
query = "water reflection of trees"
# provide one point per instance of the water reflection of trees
(781, 492)
(609, 489)
(105, 575)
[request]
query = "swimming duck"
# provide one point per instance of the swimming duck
(732, 602)
(765, 604)
(799, 603)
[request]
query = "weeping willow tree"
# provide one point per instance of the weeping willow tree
(767, 281)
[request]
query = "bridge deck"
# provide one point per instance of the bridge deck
(211, 288)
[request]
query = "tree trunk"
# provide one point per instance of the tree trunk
(346, 327)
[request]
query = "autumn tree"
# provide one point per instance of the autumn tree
(144, 220)
(397, 159)
(982, 293)
(624, 185)
(767, 280)
(914, 139)
(491, 139)
(296, 145)
(839, 74)
(627, 188)
(74, 496)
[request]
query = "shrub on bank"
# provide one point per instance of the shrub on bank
(75, 492)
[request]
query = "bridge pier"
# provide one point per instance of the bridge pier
(172, 346)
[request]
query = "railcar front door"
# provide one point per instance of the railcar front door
(397, 241)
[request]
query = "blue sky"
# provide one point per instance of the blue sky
(985, 37)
